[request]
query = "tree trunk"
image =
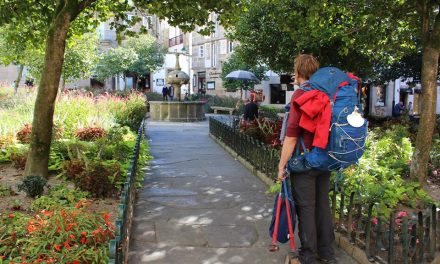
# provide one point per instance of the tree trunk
(38, 157)
(18, 80)
(425, 132)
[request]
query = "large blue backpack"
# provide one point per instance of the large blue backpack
(346, 142)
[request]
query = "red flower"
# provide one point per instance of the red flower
(106, 217)
(67, 245)
(11, 215)
(72, 236)
(47, 213)
(32, 228)
(58, 247)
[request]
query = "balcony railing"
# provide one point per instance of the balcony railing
(175, 41)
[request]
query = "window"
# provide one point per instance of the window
(201, 54)
(216, 25)
(230, 46)
(147, 22)
(129, 18)
(223, 46)
(210, 85)
(213, 55)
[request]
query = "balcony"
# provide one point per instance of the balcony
(175, 41)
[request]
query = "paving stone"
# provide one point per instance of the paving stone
(231, 236)
(173, 234)
(143, 231)
(149, 192)
(196, 202)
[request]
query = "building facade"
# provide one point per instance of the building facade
(208, 55)
(382, 98)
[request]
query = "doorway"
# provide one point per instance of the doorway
(277, 94)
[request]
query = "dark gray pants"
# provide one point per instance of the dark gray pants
(310, 193)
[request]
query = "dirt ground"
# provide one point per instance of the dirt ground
(11, 177)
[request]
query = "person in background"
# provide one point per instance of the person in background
(310, 188)
(165, 93)
(398, 109)
(410, 108)
(250, 110)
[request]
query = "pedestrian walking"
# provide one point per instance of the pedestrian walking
(310, 188)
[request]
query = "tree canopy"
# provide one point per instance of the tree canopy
(139, 55)
(351, 35)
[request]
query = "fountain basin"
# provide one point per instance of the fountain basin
(177, 111)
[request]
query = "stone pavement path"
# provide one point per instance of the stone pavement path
(199, 205)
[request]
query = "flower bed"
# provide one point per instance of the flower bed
(69, 220)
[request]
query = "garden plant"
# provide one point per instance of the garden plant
(61, 219)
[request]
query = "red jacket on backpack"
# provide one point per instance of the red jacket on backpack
(316, 115)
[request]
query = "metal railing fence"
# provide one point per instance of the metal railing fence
(120, 244)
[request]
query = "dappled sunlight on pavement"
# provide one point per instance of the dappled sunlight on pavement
(198, 204)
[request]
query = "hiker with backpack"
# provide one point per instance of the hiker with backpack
(325, 131)
(310, 188)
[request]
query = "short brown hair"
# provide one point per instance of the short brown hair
(305, 65)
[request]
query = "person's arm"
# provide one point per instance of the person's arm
(293, 131)
(286, 153)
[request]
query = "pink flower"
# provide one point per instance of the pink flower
(402, 214)
(374, 221)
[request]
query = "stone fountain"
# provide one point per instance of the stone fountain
(177, 111)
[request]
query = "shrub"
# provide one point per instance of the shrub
(132, 113)
(270, 111)
(99, 178)
(19, 159)
(24, 135)
(5, 191)
(72, 168)
(152, 96)
(264, 130)
(33, 185)
(380, 175)
(6, 140)
(90, 133)
(58, 196)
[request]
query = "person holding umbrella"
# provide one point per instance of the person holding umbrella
(245, 76)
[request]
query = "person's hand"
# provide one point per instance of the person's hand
(281, 175)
